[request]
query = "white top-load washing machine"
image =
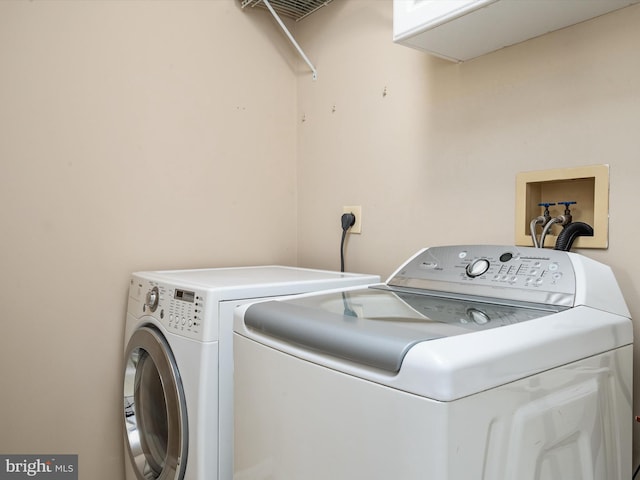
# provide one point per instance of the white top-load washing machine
(178, 383)
(471, 362)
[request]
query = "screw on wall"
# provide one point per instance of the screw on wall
(333, 109)
(384, 92)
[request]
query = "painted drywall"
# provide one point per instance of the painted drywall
(138, 135)
(430, 149)
(134, 135)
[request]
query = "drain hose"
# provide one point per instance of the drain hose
(570, 232)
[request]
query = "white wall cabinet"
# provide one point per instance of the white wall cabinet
(460, 30)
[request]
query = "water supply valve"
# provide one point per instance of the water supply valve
(546, 214)
(567, 212)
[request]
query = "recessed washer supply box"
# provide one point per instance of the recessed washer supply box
(460, 30)
(587, 186)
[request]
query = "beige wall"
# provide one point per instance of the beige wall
(435, 160)
(133, 135)
(141, 135)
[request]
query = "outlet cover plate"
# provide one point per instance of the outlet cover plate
(357, 211)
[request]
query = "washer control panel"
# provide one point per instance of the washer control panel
(508, 272)
(179, 310)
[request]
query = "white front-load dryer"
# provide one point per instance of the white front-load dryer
(470, 363)
(178, 378)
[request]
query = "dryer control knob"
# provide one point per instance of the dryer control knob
(153, 297)
(477, 267)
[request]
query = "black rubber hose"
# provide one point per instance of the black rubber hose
(348, 220)
(570, 232)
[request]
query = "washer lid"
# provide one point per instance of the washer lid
(376, 328)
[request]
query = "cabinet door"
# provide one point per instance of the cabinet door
(409, 16)
(460, 30)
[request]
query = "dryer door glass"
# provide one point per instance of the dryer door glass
(154, 408)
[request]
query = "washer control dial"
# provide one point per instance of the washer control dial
(478, 267)
(152, 299)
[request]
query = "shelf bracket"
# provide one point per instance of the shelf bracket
(291, 39)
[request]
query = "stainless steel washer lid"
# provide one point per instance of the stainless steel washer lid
(373, 327)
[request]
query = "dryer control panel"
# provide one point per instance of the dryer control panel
(532, 275)
(181, 311)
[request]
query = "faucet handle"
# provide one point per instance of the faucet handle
(566, 205)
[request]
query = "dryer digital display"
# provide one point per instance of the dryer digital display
(184, 295)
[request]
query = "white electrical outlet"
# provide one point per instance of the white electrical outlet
(357, 211)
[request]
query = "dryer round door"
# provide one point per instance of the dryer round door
(155, 413)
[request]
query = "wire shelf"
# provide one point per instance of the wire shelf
(296, 9)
